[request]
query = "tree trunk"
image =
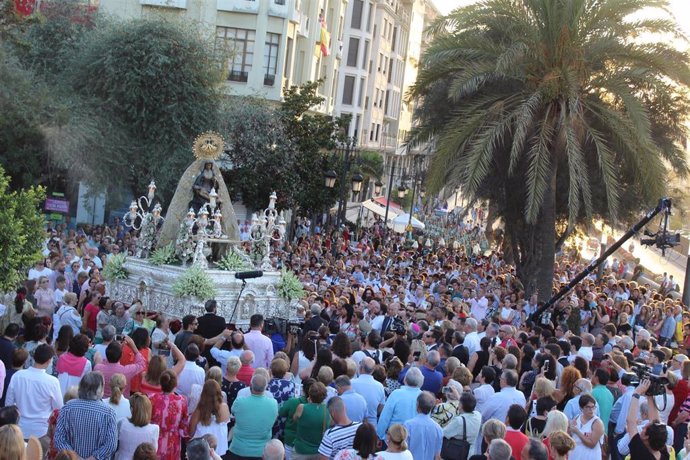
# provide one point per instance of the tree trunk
(491, 217)
(546, 230)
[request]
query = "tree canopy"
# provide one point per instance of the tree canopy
(558, 108)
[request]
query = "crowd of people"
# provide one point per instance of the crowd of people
(404, 351)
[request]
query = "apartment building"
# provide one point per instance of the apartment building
(368, 63)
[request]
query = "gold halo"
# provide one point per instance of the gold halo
(208, 146)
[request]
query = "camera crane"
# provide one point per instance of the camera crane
(662, 240)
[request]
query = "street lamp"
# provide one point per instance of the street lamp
(357, 180)
(378, 185)
(330, 177)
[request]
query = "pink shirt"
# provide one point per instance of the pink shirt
(129, 371)
(261, 346)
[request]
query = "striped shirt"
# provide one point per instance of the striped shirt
(88, 428)
(337, 438)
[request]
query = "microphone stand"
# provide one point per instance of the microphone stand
(244, 284)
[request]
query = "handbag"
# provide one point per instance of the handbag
(456, 449)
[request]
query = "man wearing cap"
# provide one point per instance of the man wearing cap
(677, 364)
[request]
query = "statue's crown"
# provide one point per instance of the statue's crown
(208, 146)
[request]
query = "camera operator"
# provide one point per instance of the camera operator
(650, 444)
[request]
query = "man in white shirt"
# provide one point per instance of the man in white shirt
(471, 336)
(586, 349)
(191, 373)
(497, 406)
(35, 393)
(484, 392)
(480, 305)
(370, 389)
(259, 343)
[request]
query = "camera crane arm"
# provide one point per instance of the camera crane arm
(663, 206)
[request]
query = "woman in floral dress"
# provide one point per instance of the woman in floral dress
(170, 414)
(282, 389)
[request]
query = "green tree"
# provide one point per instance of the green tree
(21, 231)
(315, 136)
(260, 152)
(138, 92)
(557, 111)
(24, 107)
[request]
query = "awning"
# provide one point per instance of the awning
(375, 206)
(382, 201)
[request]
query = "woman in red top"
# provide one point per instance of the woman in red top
(170, 414)
(150, 384)
(92, 309)
(142, 341)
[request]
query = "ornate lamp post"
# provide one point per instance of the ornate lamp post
(265, 228)
(146, 219)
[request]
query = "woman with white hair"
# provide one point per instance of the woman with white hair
(231, 385)
(555, 421)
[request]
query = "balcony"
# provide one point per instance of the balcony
(295, 16)
(239, 6)
(236, 75)
(303, 29)
(278, 8)
(165, 3)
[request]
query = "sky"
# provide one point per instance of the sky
(680, 9)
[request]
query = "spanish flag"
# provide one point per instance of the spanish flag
(324, 38)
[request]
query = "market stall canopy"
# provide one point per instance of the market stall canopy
(399, 223)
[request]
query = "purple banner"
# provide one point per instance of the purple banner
(57, 205)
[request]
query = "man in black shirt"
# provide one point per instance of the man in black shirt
(650, 444)
(7, 343)
(189, 325)
(210, 325)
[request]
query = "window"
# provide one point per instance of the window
(279, 2)
(352, 52)
(348, 89)
(238, 43)
(271, 58)
(395, 36)
(390, 70)
(357, 9)
(371, 11)
(385, 107)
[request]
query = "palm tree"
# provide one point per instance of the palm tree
(554, 109)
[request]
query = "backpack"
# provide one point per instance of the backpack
(375, 356)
